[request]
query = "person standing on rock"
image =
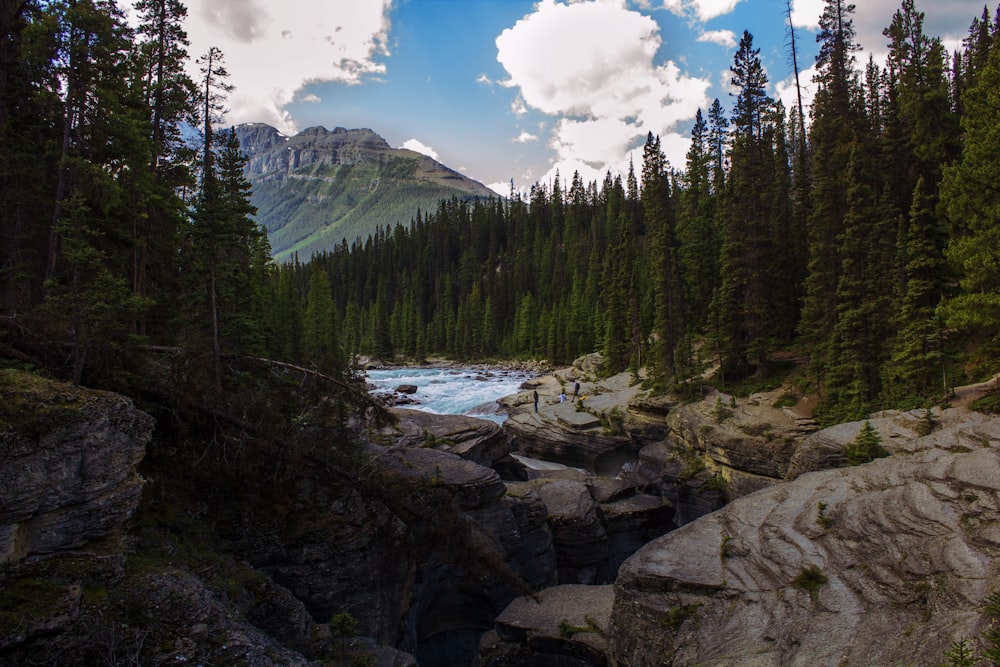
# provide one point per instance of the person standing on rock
(536, 400)
(576, 389)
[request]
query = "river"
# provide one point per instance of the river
(452, 390)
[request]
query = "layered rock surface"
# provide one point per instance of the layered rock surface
(68, 459)
(886, 563)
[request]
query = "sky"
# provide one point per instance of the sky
(514, 90)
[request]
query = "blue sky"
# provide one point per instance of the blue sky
(512, 89)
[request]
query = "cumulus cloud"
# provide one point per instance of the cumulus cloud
(725, 38)
(525, 137)
(272, 55)
(417, 146)
(240, 20)
(703, 10)
(482, 78)
(806, 13)
(591, 64)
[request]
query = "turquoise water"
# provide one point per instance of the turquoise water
(453, 391)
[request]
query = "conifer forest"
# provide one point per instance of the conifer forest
(862, 236)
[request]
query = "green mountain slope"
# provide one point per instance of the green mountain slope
(320, 187)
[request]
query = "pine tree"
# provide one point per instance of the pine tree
(696, 232)
(221, 240)
(743, 317)
(858, 343)
(917, 360)
(834, 121)
(169, 95)
(972, 203)
(320, 343)
(669, 317)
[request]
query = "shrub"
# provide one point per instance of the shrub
(613, 421)
(726, 547)
(344, 624)
(720, 412)
(989, 403)
(926, 424)
(786, 400)
(716, 483)
(810, 579)
(822, 518)
(677, 615)
(693, 464)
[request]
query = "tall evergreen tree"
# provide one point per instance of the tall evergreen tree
(696, 231)
(834, 120)
(743, 316)
(917, 360)
(670, 316)
(972, 202)
(169, 95)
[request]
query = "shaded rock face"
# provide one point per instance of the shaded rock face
(65, 626)
(408, 554)
(885, 563)
(578, 534)
(340, 551)
(475, 547)
(68, 460)
(595, 524)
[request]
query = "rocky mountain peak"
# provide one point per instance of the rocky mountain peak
(321, 186)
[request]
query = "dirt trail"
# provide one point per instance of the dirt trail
(965, 396)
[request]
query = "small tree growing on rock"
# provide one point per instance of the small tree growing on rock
(866, 447)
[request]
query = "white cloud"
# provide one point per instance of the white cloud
(525, 137)
(414, 145)
(725, 38)
(502, 188)
(482, 78)
(272, 55)
(591, 65)
(703, 10)
(517, 107)
(806, 13)
(785, 91)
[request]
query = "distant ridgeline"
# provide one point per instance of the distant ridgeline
(320, 187)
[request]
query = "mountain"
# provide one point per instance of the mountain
(322, 186)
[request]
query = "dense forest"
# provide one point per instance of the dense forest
(862, 237)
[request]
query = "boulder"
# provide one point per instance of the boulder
(564, 626)
(478, 440)
(406, 389)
